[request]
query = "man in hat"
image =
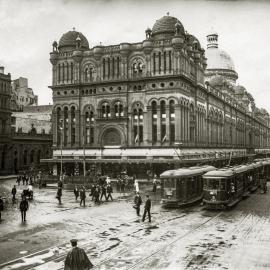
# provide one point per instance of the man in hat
(76, 258)
(23, 208)
(137, 203)
(147, 208)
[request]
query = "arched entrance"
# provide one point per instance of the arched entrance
(111, 137)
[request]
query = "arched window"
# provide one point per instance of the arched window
(192, 120)
(163, 135)
(65, 126)
(172, 120)
(89, 126)
(25, 157)
(73, 123)
(32, 156)
(86, 75)
(118, 109)
(105, 110)
(138, 125)
(154, 121)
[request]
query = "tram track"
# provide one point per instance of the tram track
(58, 258)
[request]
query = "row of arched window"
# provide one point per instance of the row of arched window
(65, 72)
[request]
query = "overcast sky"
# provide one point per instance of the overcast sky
(28, 28)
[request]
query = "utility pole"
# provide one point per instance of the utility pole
(84, 165)
(61, 145)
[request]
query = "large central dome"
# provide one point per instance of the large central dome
(218, 61)
(166, 25)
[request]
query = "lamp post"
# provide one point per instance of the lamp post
(84, 165)
(61, 147)
(178, 146)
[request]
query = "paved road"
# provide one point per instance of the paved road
(115, 238)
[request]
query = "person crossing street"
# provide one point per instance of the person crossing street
(147, 208)
(13, 192)
(137, 203)
(24, 206)
(82, 196)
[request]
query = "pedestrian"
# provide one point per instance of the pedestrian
(26, 180)
(147, 208)
(18, 179)
(118, 183)
(24, 206)
(93, 190)
(59, 195)
(23, 179)
(1, 207)
(82, 196)
(30, 191)
(76, 193)
(154, 185)
(60, 184)
(137, 203)
(76, 258)
(109, 192)
(108, 180)
(13, 192)
(96, 194)
(103, 192)
(136, 186)
(122, 185)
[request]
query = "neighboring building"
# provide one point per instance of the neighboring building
(31, 137)
(5, 117)
(133, 105)
(22, 95)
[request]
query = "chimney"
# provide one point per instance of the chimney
(2, 70)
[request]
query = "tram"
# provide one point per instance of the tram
(225, 187)
(184, 186)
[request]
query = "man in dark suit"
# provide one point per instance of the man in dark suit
(147, 208)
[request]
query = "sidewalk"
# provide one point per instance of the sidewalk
(7, 177)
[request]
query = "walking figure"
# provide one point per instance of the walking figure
(1, 207)
(93, 189)
(76, 193)
(136, 186)
(154, 185)
(13, 192)
(82, 196)
(76, 258)
(137, 203)
(24, 206)
(59, 195)
(109, 192)
(96, 194)
(18, 179)
(103, 192)
(147, 208)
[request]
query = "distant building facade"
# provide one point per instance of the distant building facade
(22, 95)
(5, 118)
(146, 106)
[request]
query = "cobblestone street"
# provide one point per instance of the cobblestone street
(114, 238)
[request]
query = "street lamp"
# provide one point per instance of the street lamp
(61, 145)
(178, 146)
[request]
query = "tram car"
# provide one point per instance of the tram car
(184, 186)
(225, 187)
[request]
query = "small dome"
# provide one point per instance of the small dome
(166, 25)
(239, 90)
(68, 40)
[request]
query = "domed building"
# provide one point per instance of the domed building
(218, 61)
(132, 106)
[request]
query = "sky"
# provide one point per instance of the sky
(28, 28)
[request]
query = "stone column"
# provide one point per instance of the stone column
(82, 130)
(158, 125)
(177, 123)
(54, 127)
(145, 133)
(69, 128)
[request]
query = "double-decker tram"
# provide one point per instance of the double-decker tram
(184, 186)
(225, 187)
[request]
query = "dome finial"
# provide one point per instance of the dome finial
(73, 29)
(212, 39)
(168, 13)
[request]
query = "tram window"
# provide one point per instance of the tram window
(223, 184)
(169, 183)
(213, 183)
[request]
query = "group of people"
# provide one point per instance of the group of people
(25, 179)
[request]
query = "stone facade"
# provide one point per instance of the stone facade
(22, 95)
(5, 117)
(144, 100)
